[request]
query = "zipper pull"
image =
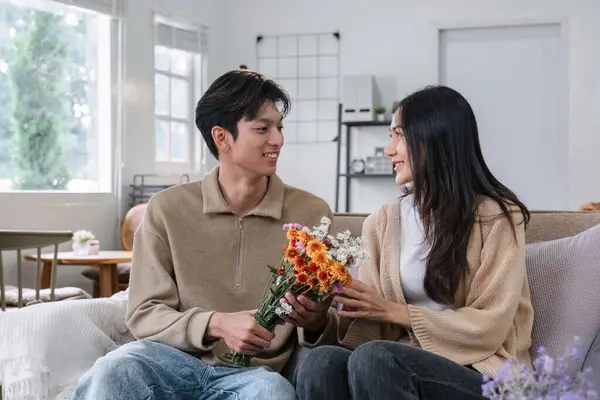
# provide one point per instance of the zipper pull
(240, 222)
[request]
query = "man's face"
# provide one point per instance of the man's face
(259, 142)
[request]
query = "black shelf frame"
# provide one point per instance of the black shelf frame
(346, 128)
(141, 191)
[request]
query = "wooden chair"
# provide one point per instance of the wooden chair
(24, 240)
(132, 220)
(590, 207)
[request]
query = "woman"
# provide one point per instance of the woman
(444, 296)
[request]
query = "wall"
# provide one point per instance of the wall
(396, 40)
(100, 212)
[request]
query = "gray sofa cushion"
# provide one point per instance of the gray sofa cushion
(564, 277)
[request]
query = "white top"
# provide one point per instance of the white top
(413, 254)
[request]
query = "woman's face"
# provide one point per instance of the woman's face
(397, 149)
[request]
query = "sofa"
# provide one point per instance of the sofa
(566, 300)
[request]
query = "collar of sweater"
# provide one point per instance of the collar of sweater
(270, 206)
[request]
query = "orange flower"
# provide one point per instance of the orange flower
(347, 280)
(338, 271)
(302, 278)
(321, 260)
(325, 286)
(300, 262)
(304, 237)
(291, 253)
(315, 247)
(313, 267)
(313, 283)
(323, 276)
(292, 235)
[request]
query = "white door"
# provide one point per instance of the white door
(515, 78)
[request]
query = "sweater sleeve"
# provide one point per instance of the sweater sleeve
(476, 331)
(354, 332)
(152, 312)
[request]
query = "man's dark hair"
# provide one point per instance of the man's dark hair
(232, 97)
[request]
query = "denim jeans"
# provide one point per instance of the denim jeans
(383, 370)
(147, 370)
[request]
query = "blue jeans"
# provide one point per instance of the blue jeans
(384, 370)
(147, 370)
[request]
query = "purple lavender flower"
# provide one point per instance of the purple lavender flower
(326, 242)
(292, 226)
(549, 379)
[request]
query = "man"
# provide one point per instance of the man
(200, 262)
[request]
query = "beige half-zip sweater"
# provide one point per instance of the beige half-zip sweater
(193, 256)
(492, 317)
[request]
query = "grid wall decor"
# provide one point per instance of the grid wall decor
(307, 66)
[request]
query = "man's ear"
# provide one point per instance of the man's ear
(219, 136)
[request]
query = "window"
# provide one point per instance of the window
(55, 91)
(178, 63)
(173, 85)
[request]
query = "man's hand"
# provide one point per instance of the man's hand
(240, 331)
(362, 301)
(306, 313)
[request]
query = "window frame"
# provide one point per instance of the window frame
(171, 165)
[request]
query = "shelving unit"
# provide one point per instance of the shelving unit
(348, 125)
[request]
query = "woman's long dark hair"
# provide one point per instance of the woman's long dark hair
(450, 179)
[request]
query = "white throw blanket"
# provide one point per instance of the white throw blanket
(46, 348)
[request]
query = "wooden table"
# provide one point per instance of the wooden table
(107, 262)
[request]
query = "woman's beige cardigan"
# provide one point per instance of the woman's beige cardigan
(492, 317)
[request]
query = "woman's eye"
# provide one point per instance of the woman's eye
(280, 128)
(263, 128)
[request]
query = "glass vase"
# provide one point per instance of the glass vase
(81, 248)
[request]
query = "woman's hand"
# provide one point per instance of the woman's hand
(362, 301)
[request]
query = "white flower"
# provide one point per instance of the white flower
(83, 236)
(344, 236)
(342, 255)
(284, 308)
(331, 254)
(334, 242)
(320, 232)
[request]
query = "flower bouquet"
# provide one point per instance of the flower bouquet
(549, 379)
(314, 264)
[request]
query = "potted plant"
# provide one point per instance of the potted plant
(82, 242)
(380, 113)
